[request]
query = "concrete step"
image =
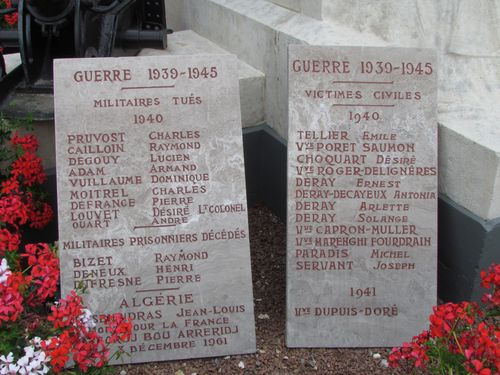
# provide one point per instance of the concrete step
(12, 60)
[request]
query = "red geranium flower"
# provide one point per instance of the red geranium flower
(28, 168)
(40, 217)
(491, 280)
(11, 299)
(13, 211)
(8, 241)
(44, 273)
(10, 186)
(11, 19)
(27, 142)
(119, 327)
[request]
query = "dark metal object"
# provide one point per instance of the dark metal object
(49, 29)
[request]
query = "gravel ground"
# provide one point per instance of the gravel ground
(268, 250)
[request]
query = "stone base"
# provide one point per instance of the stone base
(467, 244)
(265, 168)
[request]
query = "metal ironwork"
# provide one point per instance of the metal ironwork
(49, 29)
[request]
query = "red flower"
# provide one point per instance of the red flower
(8, 241)
(414, 352)
(58, 349)
(13, 211)
(11, 19)
(90, 351)
(119, 327)
(10, 186)
(44, 273)
(462, 332)
(491, 280)
(76, 339)
(28, 168)
(11, 300)
(39, 218)
(84, 346)
(482, 345)
(27, 142)
(67, 311)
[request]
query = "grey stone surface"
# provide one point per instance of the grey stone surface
(152, 203)
(362, 195)
(252, 81)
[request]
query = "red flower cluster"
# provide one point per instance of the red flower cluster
(471, 341)
(11, 299)
(482, 350)
(414, 352)
(44, 273)
(78, 340)
(39, 285)
(84, 345)
(453, 317)
(66, 311)
(40, 215)
(28, 169)
(18, 205)
(120, 329)
(20, 296)
(10, 186)
(8, 241)
(13, 211)
(491, 280)
(11, 19)
(27, 143)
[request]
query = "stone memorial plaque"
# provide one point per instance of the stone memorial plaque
(362, 195)
(152, 202)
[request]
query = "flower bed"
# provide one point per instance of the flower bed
(461, 339)
(38, 334)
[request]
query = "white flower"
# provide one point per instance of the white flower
(377, 356)
(23, 361)
(29, 351)
(34, 362)
(9, 369)
(87, 319)
(4, 271)
(37, 342)
(8, 359)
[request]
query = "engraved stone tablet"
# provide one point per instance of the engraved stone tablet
(362, 195)
(152, 202)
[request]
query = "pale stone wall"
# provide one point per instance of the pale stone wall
(311, 8)
(466, 34)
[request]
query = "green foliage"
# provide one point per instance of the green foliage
(7, 127)
(12, 256)
(105, 370)
(12, 340)
(445, 362)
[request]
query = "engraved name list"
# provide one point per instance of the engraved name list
(152, 202)
(362, 196)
